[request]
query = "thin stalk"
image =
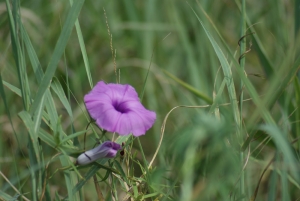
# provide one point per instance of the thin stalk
(242, 64)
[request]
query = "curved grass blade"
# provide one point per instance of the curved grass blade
(261, 109)
(227, 74)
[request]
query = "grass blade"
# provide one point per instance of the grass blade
(83, 51)
(190, 88)
(227, 73)
(57, 53)
(297, 17)
(57, 88)
(285, 148)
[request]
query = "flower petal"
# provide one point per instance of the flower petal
(116, 108)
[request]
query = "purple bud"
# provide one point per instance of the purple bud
(107, 149)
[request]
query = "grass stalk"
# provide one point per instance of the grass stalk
(241, 97)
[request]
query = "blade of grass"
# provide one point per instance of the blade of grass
(34, 152)
(20, 43)
(241, 98)
(5, 196)
(43, 135)
(278, 86)
(141, 98)
(48, 139)
(35, 63)
(297, 17)
(57, 88)
(26, 118)
(227, 74)
(297, 105)
(3, 96)
(276, 89)
(34, 164)
(272, 188)
(69, 178)
(188, 48)
(57, 53)
(189, 88)
(283, 145)
(218, 96)
(265, 61)
(261, 109)
(69, 137)
(16, 47)
(83, 50)
(12, 88)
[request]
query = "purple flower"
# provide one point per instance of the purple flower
(106, 150)
(117, 108)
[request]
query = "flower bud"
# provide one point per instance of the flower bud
(107, 149)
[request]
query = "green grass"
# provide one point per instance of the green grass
(234, 135)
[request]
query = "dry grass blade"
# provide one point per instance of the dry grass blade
(164, 125)
(5, 178)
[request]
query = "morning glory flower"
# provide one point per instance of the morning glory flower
(117, 108)
(107, 149)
